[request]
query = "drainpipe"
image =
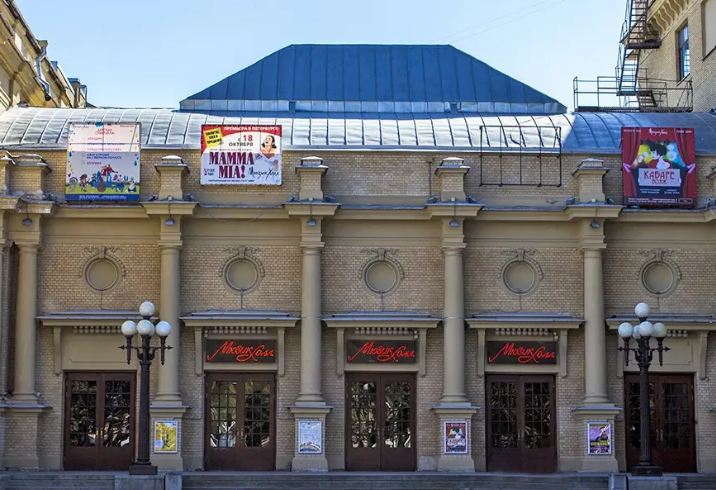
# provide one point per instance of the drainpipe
(38, 69)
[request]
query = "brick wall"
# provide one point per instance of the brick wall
(662, 63)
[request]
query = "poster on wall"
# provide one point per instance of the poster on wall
(240, 155)
(659, 167)
(102, 162)
(310, 436)
(456, 438)
(165, 436)
(599, 438)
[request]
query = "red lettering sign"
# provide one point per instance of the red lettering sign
(521, 353)
(246, 351)
(386, 351)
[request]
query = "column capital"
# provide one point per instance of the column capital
(312, 249)
(27, 247)
(453, 248)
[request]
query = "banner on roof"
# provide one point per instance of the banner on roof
(239, 155)
(659, 166)
(102, 162)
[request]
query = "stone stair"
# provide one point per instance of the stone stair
(59, 481)
(696, 482)
(391, 481)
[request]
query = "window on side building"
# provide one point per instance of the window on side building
(708, 12)
(684, 54)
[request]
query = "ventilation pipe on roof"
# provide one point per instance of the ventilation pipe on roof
(38, 69)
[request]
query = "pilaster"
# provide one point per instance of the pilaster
(590, 174)
(451, 177)
(606, 462)
(170, 413)
(311, 173)
(171, 170)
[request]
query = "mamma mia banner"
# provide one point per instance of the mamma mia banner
(102, 162)
(659, 166)
(242, 154)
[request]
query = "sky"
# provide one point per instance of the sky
(155, 53)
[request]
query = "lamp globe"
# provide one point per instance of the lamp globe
(146, 308)
(129, 328)
(163, 329)
(145, 327)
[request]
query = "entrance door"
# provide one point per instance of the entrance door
(521, 424)
(240, 418)
(99, 421)
(672, 421)
(380, 422)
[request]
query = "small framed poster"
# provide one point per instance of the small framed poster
(165, 436)
(455, 437)
(599, 438)
(310, 436)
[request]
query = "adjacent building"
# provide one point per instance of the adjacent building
(379, 258)
(27, 75)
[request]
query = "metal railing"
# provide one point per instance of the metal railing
(609, 94)
(526, 145)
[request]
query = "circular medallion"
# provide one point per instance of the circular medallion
(241, 275)
(381, 277)
(101, 274)
(657, 278)
(519, 277)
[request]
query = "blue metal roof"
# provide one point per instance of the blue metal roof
(34, 128)
(371, 78)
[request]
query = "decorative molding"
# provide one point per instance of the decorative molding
(663, 257)
(384, 331)
(521, 256)
(98, 329)
(529, 332)
(102, 253)
(242, 254)
(235, 331)
(384, 256)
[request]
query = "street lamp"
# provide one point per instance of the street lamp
(643, 353)
(145, 354)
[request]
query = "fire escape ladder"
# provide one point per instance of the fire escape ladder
(636, 36)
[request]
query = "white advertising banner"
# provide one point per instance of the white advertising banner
(102, 162)
(240, 155)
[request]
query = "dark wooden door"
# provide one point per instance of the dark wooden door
(240, 422)
(521, 424)
(99, 421)
(671, 398)
(380, 422)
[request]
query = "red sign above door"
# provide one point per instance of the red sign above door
(381, 351)
(521, 352)
(248, 351)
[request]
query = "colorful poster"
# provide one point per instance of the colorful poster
(599, 438)
(456, 437)
(240, 155)
(310, 436)
(102, 162)
(659, 166)
(165, 436)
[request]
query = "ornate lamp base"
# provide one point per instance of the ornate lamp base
(646, 470)
(142, 469)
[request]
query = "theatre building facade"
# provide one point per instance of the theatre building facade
(374, 258)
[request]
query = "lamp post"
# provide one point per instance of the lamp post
(643, 355)
(145, 354)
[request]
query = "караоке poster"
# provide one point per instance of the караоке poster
(659, 166)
